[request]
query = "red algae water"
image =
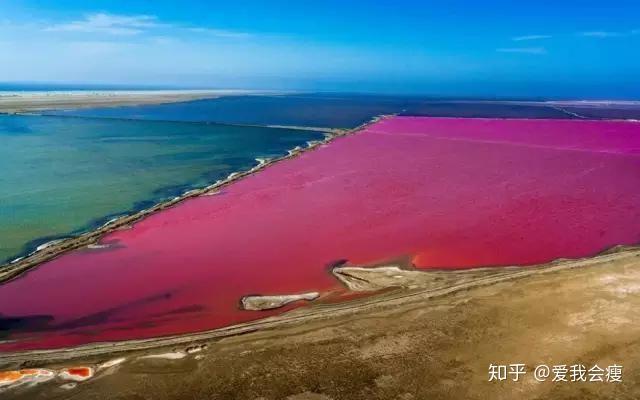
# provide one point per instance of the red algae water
(444, 192)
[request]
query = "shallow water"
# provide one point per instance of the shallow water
(445, 192)
(65, 175)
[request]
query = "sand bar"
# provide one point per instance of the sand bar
(32, 101)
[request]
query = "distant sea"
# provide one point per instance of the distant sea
(61, 176)
(320, 110)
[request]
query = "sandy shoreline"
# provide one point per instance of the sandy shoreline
(22, 102)
(448, 328)
(433, 284)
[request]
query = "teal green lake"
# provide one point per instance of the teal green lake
(61, 176)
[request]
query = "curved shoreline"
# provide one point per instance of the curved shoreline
(53, 249)
(462, 280)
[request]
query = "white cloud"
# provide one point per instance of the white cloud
(530, 37)
(523, 50)
(610, 34)
(219, 32)
(601, 34)
(127, 25)
(111, 24)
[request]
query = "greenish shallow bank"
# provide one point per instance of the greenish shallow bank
(63, 175)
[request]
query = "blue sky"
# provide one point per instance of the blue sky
(460, 47)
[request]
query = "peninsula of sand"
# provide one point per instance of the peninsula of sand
(34, 101)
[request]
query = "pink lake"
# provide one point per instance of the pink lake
(443, 192)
